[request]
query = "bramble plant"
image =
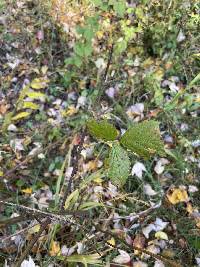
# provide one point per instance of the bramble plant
(142, 139)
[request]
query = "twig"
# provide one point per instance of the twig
(7, 222)
(8, 173)
(17, 233)
(56, 217)
(75, 155)
(32, 242)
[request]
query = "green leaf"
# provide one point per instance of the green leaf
(84, 259)
(102, 130)
(144, 139)
(120, 46)
(120, 7)
(90, 205)
(20, 115)
(119, 165)
(79, 49)
(72, 199)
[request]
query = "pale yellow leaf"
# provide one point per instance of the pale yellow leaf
(20, 115)
(98, 180)
(35, 95)
(28, 190)
(161, 235)
(189, 208)
(30, 105)
(44, 69)
(111, 241)
(1, 173)
(39, 83)
(34, 229)
(70, 111)
(178, 195)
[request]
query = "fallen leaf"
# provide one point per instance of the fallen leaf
(177, 195)
(17, 144)
(65, 251)
(158, 225)
(35, 95)
(160, 165)
(139, 264)
(28, 263)
(148, 190)
(111, 241)
(54, 249)
(3, 108)
(161, 235)
(139, 242)
(28, 190)
(30, 105)
(12, 128)
(70, 111)
(122, 258)
(159, 264)
(39, 83)
(44, 69)
(34, 229)
(138, 169)
(21, 115)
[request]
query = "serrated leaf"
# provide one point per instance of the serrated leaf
(35, 95)
(39, 83)
(21, 115)
(30, 105)
(102, 130)
(120, 7)
(119, 165)
(144, 139)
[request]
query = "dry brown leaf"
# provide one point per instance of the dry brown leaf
(54, 249)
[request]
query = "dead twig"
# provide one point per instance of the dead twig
(75, 156)
(8, 173)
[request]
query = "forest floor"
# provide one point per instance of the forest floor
(57, 205)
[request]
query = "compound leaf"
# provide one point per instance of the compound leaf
(102, 130)
(144, 139)
(119, 165)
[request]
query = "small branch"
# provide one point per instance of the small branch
(10, 221)
(8, 173)
(33, 241)
(66, 216)
(75, 156)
